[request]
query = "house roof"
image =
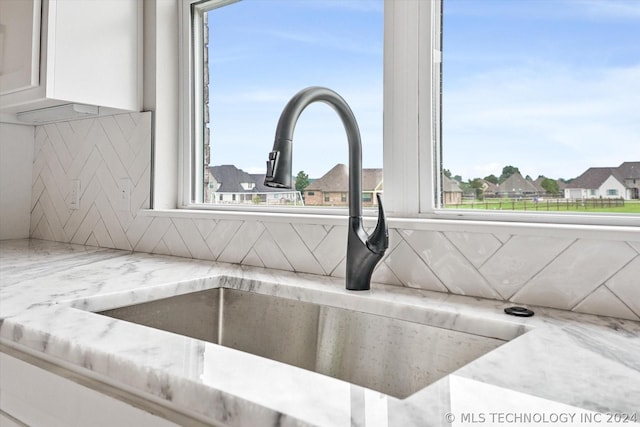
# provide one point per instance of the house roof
(595, 177)
(538, 183)
(516, 183)
(337, 180)
(258, 178)
(629, 170)
(489, 187)
(231, 179)
(450, 185)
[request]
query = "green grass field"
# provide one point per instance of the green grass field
(552, 205)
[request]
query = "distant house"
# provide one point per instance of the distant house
(538, 185)
(452, 193)
(489, 189)
(630, 171)
(332, 188)
(517, 186)
(622, 182)
(228, 184)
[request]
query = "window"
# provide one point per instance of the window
(612, 192)
(253, 57)
(532, 92)
(478, 83)
(407, 25)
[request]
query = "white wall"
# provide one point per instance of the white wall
(16, 165)
(612, 184)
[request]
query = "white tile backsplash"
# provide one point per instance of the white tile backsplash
(519, 259)
(573, 273)
(625, 284)
(329, 252)
(604, 302)
(411, 270)
(294, 249)
(476, 247)
(448, 264)
(580, 270)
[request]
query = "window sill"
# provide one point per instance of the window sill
(626, 229)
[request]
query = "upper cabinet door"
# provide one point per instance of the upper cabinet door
(19, 45)
(57, 52)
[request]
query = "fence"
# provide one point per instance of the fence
(542, 205)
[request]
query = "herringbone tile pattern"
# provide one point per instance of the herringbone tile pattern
(585, 275)
(99, 153)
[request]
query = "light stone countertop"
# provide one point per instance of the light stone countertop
(558, 366)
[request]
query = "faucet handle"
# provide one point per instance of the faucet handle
(271, 163)
(378, 241)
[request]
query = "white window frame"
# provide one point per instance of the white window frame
(411, 125)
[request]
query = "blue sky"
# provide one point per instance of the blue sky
(550, 86)
(267, 51)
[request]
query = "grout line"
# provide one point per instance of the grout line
(313, 255)
(631, 246)
(502, 245)
(275, 242)
(471, 264)
(544, 267)
(424, 262)
(604, 283)
(181, 238)
(254, 251)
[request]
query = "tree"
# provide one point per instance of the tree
(507, 171)
(302, 181)
(492, 179)
(458, 178)
(447, 173)
(550, 186)
(477, 184)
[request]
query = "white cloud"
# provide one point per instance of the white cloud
(329, 39)
(555, 120)
(372, 6)
(610, 9)
(600, 10)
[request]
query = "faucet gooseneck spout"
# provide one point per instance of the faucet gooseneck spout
(363, 251)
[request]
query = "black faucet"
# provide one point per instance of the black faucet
(363, 251)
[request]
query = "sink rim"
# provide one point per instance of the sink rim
(444, 315)
(392, 356)
(437, 312)
(185, 383)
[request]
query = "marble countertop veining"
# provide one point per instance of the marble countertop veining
(559, 365)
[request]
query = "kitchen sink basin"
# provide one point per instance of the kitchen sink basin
(395, 357)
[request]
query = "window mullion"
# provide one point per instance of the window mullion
(409, 157)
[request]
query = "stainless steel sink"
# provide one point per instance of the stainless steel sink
(395, 357)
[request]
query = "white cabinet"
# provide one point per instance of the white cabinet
(32, 396)
(89, 52)
(19, 45)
